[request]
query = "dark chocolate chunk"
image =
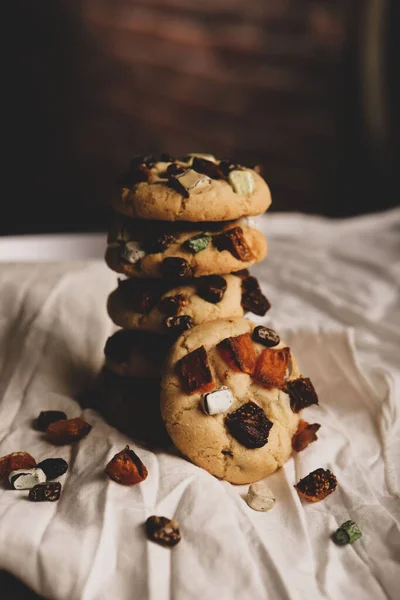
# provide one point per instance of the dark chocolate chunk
(195, 371)
(212, 288)
(178, 324)
(45, 492)
(234, 242)
(301, 392)
(46, 417)
(207, 167)
(172, 305)
(163, 531)
(175, 169)
(266, 336)
(226, 166)
(53, 467)
(249, 425)
(158, 244)
(242, 274)
(317, 485)
(255, 302)
(175, 267)
(250, 283)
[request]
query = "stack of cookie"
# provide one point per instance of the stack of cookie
(183, 239)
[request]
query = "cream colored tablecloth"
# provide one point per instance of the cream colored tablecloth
(334, 287)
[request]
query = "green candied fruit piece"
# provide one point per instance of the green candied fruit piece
(198, 243)
(347, 533)
(242, 182)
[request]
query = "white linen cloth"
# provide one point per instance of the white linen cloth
(334, 288)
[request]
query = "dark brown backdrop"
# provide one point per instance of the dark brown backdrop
(286, 83)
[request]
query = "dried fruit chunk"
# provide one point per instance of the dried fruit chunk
(175, 267)
(172, 305)
(301, 392)
(126, 468)
(317, 485)
(239, 353)
(252, 297)
(25, 479)
(218, 401)
(304, 435)
(266, 336)
(159, 244)
(163, 531)
(212, 288)
(14, 462)
(53, 467)
(197, 243)
(347, 533)
(176, 185)
(48, 416)
(249, 425)
(271, 367)
(68, 431)
(178, 324)
(259, 497)
(141, 295)
(45, 492)
(234, 241)
(195, 371)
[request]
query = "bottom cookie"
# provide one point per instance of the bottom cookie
(132, 405)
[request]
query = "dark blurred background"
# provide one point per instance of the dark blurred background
(307, 89)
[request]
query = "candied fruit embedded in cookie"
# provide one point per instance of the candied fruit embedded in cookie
(301, 392)
(234, 241)
(253, 300)
(172, 305)
(126, 468)
(195, 371)
(305, 435)
(212, 288)
(174, 267)
(317, 485)
(178, 324)
(239, 353)
(249, 425)
(271, 367)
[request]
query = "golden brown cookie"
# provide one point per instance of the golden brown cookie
(154, 305)
(191, 189)
(148, 251)
(222, 399)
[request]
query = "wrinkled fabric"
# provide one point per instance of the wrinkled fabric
(334, 289)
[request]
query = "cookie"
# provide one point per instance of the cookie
(191, 189)
(132, 405)
(244, 431)
(132, 353)
(156, 306)
(176, 254)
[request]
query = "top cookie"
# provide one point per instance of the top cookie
(194, 188)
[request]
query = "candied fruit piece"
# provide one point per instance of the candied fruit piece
(212, 288)
(68, 431)
(126, 468)
(174, 267)
(234, 241)
(14, 462)
(45, 492)
(301, 392)
(249, 425)
(49, 416)
(239, 353)
(317, 485)
(271, 367)
(305, 434)
(195, 371)
(163, 531)
(172, 305)
(207, 167)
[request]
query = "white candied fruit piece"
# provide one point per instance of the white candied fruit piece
(132, 253)
(259, 497)
(217, 402)
(242, 182)
(25, 479)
